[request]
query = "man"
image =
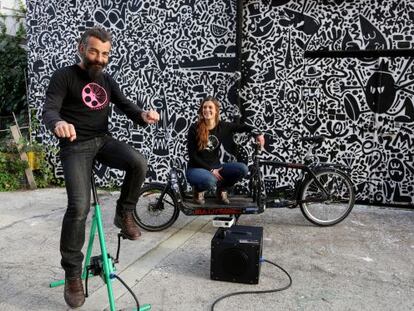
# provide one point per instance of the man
(76, 110)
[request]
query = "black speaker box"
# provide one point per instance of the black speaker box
(236, 253)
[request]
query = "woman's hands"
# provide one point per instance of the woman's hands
(216, 173)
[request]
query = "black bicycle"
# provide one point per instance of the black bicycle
(324, 192)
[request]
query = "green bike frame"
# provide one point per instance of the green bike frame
(108, 267)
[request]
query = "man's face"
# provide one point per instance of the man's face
(95, 56)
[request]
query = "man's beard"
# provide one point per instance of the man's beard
(93, 68)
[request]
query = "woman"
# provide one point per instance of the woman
(205, 171)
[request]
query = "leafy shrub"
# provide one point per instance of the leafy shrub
(11, 171)
(13, 64)
(12, 175)
(44, 175)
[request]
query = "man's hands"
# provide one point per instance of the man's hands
(150, 117)
(64, 129)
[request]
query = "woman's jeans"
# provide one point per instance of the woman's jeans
(77, 160)
(202, 179)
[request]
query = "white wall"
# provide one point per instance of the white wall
(9, 9)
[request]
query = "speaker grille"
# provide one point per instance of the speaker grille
(235, 261)
(235, 254)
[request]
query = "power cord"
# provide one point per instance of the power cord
(259, 291)
(113, 275)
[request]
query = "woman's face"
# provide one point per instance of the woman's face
(209, 110)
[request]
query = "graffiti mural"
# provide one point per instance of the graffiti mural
(364, 106)
(168, 55)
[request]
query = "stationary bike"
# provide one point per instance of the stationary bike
(102, 265)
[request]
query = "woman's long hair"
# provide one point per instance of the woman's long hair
(202, 130)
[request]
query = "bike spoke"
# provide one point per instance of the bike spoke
(156, 209)
(330, 208)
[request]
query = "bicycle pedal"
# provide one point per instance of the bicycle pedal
(224, 222)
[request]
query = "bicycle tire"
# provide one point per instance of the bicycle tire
(330, 211)
(256, 185)
(151, 217)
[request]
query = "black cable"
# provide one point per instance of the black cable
(118, 248)
(86, 282)
(127, 287)
(259, 291)
(86, 285)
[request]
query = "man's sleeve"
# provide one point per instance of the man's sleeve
(55, 94)
(131, 110)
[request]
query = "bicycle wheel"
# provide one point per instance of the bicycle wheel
(256, 186)
(328, 210)
(153, 214)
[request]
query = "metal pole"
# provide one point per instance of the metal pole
(239, 33)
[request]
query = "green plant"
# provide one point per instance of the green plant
(11, 171)
(27, 146)
(44, 176)
(12, 175)
(13, 64)
(43, 173)
(111, 186)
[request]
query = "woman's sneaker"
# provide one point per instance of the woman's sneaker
(222, 197)
(198, 197)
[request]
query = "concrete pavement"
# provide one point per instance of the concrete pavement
(363, 263)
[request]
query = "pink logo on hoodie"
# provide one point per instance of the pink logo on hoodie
(94, 96)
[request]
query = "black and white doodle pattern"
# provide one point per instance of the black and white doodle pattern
(169, 54)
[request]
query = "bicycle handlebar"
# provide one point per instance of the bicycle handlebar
(318, 139)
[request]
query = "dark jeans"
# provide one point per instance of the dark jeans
(202, 179)
(77, 160)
